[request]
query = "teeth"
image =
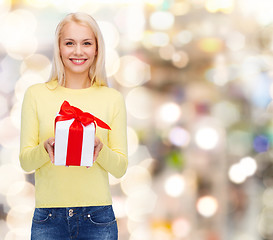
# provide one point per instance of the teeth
(78, 60)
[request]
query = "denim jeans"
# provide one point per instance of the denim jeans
(77, 223)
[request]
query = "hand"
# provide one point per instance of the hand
(97, 148)
(49, 147)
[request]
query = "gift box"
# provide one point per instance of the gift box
(74, 136)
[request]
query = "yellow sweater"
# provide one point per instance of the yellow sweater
(60, 186)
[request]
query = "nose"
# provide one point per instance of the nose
(78, 49)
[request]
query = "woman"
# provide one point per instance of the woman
(74, 202)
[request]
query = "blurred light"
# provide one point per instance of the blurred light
(161, 230)
(140, 203)
(248, 165)
(9, 134)
(147, 163)
(207, 138)
(161, 20)
(5, 6)
(130, 21)
(18, 234)
(8, 74)
(251, 66)
(154, 2)
(146, 40)
(244, 236)
(27, 80)
(110, 34)
(10, 154)
(132, 72)
(183, 37)
(175, 185)
(9, 174)
(133, 142)
(179, 136)
(266, 223)
(37, 3)
(37, 64)
(261, 12)
(3, 227)
(180, 8)
(169, 112)
(221, 73)
(225, 6)
(119, 206)
(71, 5)
(15, 114)
(237, 174)
(261, 143)
(267, 198)
(18, 33)
(136, 179)
(239, 142)
(3, 106)
(21, 193)
(207, 206)
(159, 39)
(180, 59)
(139, 103)
(210, 45)
(112, 62)
(139, 232)
(235, 41)
(167, 52)
(227, 112)
(258, 89)
(20, 217)
(181, 227)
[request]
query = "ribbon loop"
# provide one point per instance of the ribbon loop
(68, 112)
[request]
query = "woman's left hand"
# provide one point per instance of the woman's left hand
(97, 148)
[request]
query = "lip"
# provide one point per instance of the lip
(78, 61)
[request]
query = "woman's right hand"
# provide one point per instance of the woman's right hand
(49, 147)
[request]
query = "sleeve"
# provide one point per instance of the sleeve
(114, 157)
(32, 153)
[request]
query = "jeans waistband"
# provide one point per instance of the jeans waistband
(71, 211)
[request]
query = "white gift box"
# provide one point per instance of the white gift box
(61, 144)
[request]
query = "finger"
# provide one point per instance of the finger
(97, 151)
(51, 155)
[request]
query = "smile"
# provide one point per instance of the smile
(78, 61)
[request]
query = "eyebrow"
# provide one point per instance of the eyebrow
(71, 39)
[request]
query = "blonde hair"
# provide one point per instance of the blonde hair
(97, 72)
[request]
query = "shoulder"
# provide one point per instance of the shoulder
(111, 93)
(36, 89)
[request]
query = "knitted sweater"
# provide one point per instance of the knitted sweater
(60, 186)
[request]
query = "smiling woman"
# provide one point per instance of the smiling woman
(78, 76)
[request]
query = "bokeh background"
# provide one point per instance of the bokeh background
(197, 79)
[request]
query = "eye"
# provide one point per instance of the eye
(87, 43)
(69, 43)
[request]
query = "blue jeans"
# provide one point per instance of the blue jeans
(77, 223)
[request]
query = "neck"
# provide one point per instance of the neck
(77, 81)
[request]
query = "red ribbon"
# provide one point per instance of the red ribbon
(75, 135)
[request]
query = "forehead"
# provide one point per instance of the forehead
(75, 30)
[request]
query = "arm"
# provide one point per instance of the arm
(32, 152)
(113, 157)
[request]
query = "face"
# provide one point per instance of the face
(77, 48)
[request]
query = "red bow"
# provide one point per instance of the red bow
(75, 137)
